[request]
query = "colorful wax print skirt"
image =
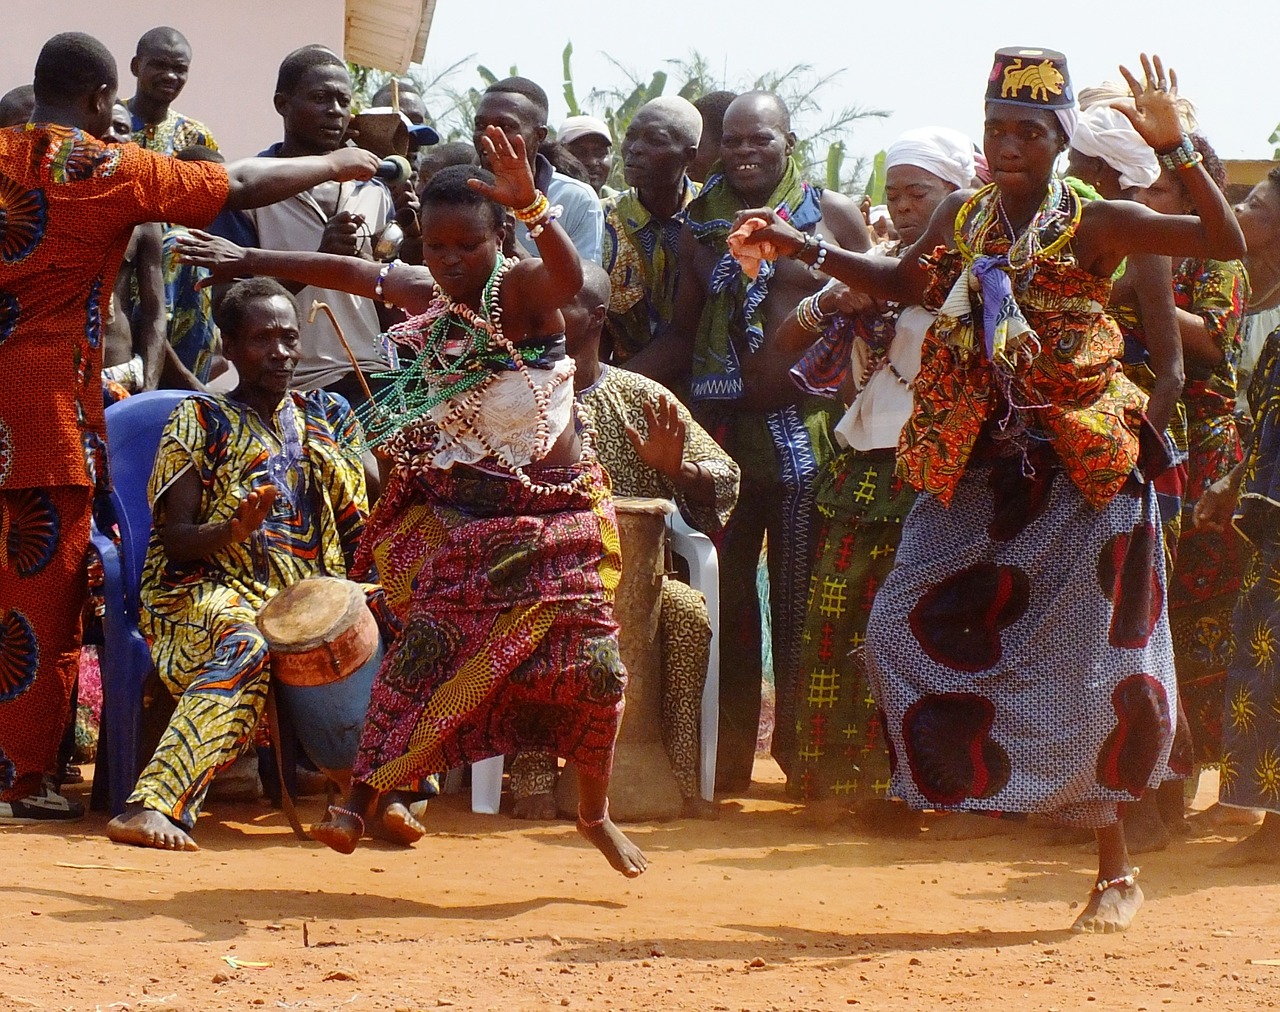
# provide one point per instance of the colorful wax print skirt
(509, 641)
(1020, 648)
(1249, 773)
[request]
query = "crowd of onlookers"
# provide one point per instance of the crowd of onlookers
(799, 390)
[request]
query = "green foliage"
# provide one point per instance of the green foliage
(875, 185)
(1275, 139)
(823, 150)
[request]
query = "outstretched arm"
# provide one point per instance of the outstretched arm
(406, 286)
(256, 182)
(882, 278)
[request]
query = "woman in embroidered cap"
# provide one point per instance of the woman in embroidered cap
(1020, 648)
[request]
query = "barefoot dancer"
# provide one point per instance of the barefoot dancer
(1020, 648)
(495, 537)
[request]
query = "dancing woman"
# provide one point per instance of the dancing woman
(1020, 648)
(495, 537)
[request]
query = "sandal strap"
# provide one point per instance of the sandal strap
(339, 810)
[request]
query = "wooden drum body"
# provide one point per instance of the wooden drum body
(642, 786)
(325, 651)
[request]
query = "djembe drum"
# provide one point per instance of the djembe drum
(325, 650)
(642, 785)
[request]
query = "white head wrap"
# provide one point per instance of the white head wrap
(948, 154)
(1105, 133)
(1068, 119)
(1109, 92)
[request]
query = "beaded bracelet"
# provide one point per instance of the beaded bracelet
(528, 215)
(809, 314)
(553, 212)
(822, 254)
(1183, 156)
(382, 276)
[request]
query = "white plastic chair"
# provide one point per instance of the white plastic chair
(704, 576)
(486, 785)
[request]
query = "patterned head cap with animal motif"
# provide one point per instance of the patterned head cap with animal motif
(1036, 78)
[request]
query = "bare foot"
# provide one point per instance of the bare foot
(536, 808)
(882, 817)
(341, 831)
(825, 813)
(621, 853)
(1110, 911)
(396, 824)
(965, 826)
(697, 808)
(1260, 848)
(145, 827)
(1144, 829)
(1217, 817)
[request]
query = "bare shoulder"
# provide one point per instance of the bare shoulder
(844, 222)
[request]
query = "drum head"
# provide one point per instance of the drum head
(636, 504)
(310, 613)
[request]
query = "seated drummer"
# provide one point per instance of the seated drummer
(251, 492)
(652, 448)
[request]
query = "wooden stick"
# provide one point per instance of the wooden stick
(316, 306)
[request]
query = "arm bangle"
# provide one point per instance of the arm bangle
(1183, 156)
(382, 276)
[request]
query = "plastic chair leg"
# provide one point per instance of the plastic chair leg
(704, 576)
(486, 785)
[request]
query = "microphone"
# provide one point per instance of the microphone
(395, 169)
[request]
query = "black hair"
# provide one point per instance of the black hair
(159, 38)
(294, 67)
(16, 105)
(523, 86)
(448, 188)
(712, 106)
(383, 95)
(1210, 160)
(198, 153)
(441, 157)
(72, 66)
(230, 310)
(564, 161)
(1274, 176)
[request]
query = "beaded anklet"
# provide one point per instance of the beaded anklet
(593, 823)
(1128, 881)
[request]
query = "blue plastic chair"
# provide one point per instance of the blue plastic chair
(133, 435)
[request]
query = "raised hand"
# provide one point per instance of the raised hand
(352, 163)
(342, 234)
(513, 185)
(663, 447)
(1155, 109)
(223, 259)
(254, 509)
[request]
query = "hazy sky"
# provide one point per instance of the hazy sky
(924, 60)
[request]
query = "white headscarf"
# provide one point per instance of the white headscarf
(1068, 119)
(948, 154)
(1105, 133)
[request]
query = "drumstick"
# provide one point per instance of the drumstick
(316, 306)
